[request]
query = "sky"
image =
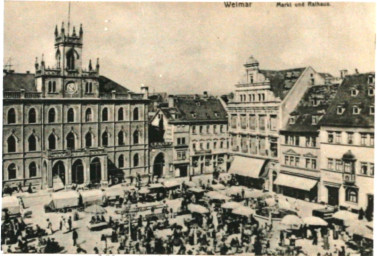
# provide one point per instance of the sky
(194, 47)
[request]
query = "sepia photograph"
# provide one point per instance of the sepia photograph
(187, 128)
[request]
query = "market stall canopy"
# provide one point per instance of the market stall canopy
(197, 208)
(172, 183)
(65, 199)
(163, 233)
(196, 190)
(253, 193)
(231, 205)
(95, 209)
(248, 167)
(234, 190)
(314, 221)
(113, 192)
(225, 176)
(190, 184)
(270, 201)
(217, 196)
(360, 229)
(12, 204)
(295, 182)
(217, 186)
(94, 196)
(243, 211)
(344, 215)
(292, 221)
(144, 191)
(155, 185)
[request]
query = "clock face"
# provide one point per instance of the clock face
(71, 87)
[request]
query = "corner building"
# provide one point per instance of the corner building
(261, 105)
(67, 125)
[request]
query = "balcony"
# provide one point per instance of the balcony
(75, 152)
(22, 95)
(235, 148)
(155, 145)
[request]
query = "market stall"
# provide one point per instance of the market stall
(90, 197)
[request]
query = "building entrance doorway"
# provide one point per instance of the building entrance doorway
(95, 171)
(333, 196)
(58, 172)
(158, 166)
(78, 172)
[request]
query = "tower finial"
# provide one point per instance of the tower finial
(36, 63)
(43, 60)
(56, 30)
(90, 65)
(69, 15)
(62, 28)
(74, 31)
(81, 31)
(97, 65)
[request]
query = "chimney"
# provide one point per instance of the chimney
(356, 71)
(171, 101)
(27, 72)
(145, 91)
(205, 94)
(343, 73)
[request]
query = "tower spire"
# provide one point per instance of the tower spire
(56, 30)
(69, 15)
(90, 65)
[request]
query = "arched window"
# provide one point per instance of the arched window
(71, 59)
(120, 138)
(32, 143)
(12, 172)
(32, 170)
(52, 142)
(351, 195)
(70, 115)
(53, 86)
(11, 116)
(121, 161)
(136, 137)
(51, 115)
(105, 114)
(120, 114)
(32, 118)
(136, 114)
(49, 86)
(136, 160)
(71, 140)
(11, 141)
(88, 115)
(105, 139)
(88, 140)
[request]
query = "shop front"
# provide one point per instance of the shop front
(249, 172)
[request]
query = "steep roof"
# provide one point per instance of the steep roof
(344, 99)
(282, 81)
(18, 81)
(314, 103)
(106, 85)
(26, 81)
(196, 109)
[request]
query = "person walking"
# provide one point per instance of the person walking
(75, 236)
(69, 223)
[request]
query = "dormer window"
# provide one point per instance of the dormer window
(371, 91)
(251, 79)
(315, 102)
(292, 120)
(355, 110)
(354, 92)
(371, 79)
(198, 103)
(315, 120)
(216, 114)
(340, 110)
(193, 115)
(371, 110)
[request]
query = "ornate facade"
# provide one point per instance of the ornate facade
(68, 125)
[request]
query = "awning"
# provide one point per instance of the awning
(295, 182)
(249, 167)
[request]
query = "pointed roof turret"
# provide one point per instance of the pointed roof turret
(56, 31)
(90, 65)
(97, 65)
(81, 31)
(62, 28)
(74, 31)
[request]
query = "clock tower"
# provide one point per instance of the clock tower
(67, 78)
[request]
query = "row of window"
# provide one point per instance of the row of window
(310, 163)
(257, 145)
(208, 129)
(32, 115)
(338, 165)
(257, 97)
(254, 122)
(356, 110)
(181, 141)
(365, 139)
(52, 87)
(70, 141)
(12, 169)
(310, 141)
(200, 145)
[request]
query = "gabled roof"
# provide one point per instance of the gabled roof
(282, 81)
(305, 110)
(343, 98)
(106, 85)
(18, 81)
(195, 109)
